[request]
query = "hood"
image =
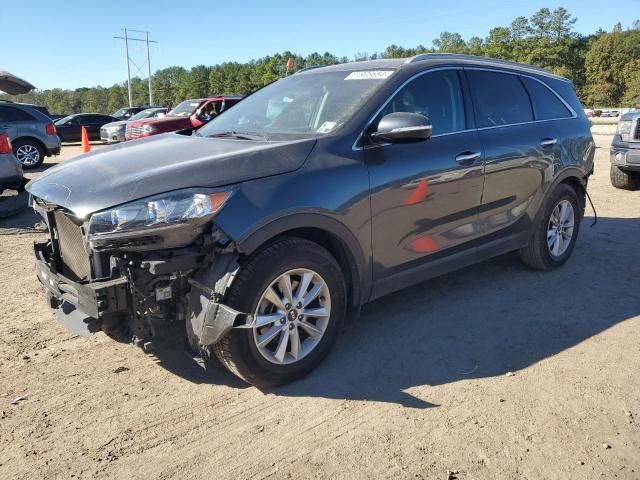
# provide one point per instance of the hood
(124, 172)
(161, 121)
(630, 115)
(118, 124)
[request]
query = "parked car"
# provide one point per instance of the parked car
(70, 127)
(114, 132)
(125, 113)
(625, 153)
(329, 188)
(594, 113)
(610, 113)
(33, 134)
(11, 176)
(187, 114)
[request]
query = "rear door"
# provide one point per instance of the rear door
(10, 120)
(425, 196)
(520, 155)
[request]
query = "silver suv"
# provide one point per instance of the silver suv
(32, 133)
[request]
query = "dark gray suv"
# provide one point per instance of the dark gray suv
(261, 231)
(32, 133)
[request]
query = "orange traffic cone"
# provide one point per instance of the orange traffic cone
(85, 140)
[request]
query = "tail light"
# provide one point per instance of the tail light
(50, 129)
(5, 144)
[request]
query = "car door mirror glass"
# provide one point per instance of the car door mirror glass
(402, 127)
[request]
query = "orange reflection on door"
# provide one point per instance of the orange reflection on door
(418, 194)
(424, 244)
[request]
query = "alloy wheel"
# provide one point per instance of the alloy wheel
(28, 155)
(292, 316)
(560, 228)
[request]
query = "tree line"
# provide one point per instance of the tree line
(604, 66)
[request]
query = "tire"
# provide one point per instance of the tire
(624, 180)
(539, 253)
(29, 152)
(238, 351)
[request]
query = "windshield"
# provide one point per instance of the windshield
(184, 109)
(62, 120)
(144, 114)
(121, 113)
(300, 106)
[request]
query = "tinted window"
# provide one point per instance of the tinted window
(546, 104)
(436, 95)
(11, 114)
(499, 98)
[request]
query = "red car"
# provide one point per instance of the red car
(189, 114)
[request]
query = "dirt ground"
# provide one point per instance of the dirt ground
(492, 372)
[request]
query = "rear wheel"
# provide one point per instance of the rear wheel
(624, 179)
(296, 291)
(555, 235)
(29, 152)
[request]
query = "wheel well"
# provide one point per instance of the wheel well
(576, 184)
(340, 252)
(34, 140)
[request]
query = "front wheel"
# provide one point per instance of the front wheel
(555, 235)
(623, 179)
(296, 292)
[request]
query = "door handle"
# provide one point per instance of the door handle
(548, 142)
(468, 157)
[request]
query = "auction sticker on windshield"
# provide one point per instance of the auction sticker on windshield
(369, 75)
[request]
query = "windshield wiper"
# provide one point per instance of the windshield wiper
(238, 135)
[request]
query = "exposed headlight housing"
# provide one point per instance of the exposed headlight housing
(148, 128)
(172, 208)
(624, 130)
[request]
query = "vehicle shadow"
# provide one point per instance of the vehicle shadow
(482, 321)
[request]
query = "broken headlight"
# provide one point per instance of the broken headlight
(157, 211)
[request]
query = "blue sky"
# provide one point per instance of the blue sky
(69, 44)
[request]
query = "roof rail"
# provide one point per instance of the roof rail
(475, 58)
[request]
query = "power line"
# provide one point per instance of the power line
(128, 59)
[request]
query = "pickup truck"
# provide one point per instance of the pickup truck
(625, 153)
(188, 114)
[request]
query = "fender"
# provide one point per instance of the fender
(360, 265)
(568, 172)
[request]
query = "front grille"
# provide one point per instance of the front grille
(133, 131)
(104, 136)
(75, 259)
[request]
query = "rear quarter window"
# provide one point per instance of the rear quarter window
(499, 98)
(546, 104)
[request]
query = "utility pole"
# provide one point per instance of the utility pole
(128, 59)
(149, 69)
(126, 52)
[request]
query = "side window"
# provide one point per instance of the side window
(436, 95)
(11, 114)
(546, 105)
(499, 98)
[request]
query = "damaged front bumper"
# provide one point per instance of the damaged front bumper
(158, 296)
(80, 307)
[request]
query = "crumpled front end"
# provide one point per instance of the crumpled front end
(136, 288)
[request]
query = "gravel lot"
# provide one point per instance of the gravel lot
(492, 372)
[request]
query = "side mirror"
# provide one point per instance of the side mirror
(403, 127)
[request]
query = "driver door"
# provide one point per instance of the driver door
(425, 196)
